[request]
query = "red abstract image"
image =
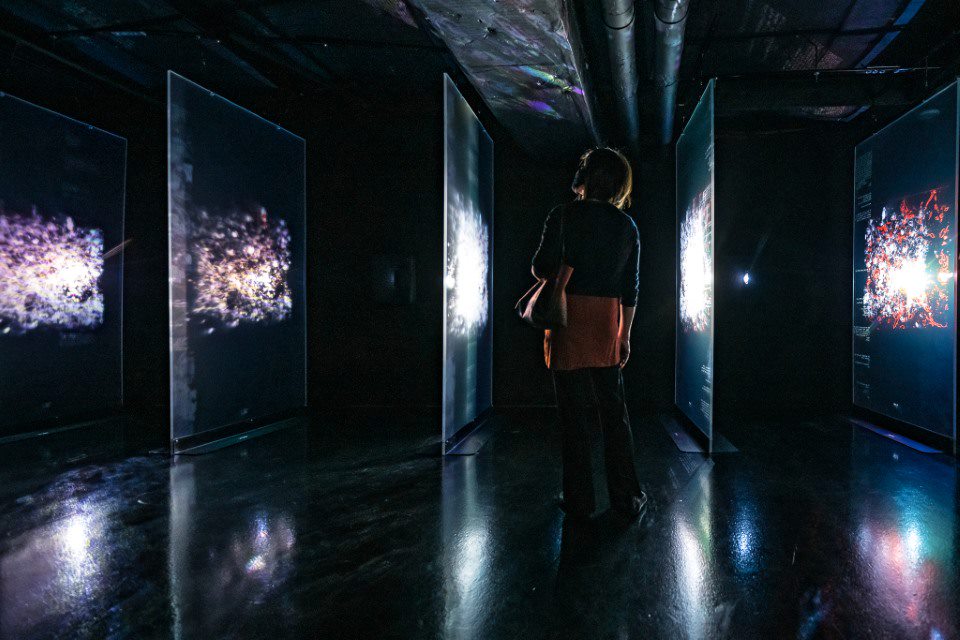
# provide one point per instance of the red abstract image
(910, 264)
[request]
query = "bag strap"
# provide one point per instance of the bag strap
(563, 243)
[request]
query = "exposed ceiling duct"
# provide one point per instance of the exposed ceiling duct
(619, 19)
(670, 17)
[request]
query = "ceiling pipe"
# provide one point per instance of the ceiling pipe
(619, 19)
(670, 17)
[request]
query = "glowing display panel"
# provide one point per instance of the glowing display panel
(237, 263)
(695, 219)
(61, 268)
(468, 261)
(904, 267)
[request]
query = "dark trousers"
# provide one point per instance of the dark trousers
(592, 408)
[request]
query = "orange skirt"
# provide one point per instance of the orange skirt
(590, 337)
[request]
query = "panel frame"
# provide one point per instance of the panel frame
(230, 432)
(708, 92)
(954, 86)
(14, 431)
(450, 444)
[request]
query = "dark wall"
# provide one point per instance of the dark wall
(649, 375)
(784, 214)
(376, 192)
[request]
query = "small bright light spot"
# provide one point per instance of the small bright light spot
(746, 278)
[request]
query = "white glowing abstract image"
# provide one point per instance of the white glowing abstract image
(467, 270)
(910, 265)
(50, 272)
(696, 265)
(242, 263)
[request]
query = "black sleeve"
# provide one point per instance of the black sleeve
(546, 261)
(630, 288)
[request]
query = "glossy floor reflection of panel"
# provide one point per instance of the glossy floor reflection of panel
(357, 528)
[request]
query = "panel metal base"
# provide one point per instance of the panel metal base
(220, 443)
(681, 436)
(896, 437)
(688, 442)
(114, 418)
(470, 444)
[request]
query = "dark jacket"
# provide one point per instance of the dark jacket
(601, 244)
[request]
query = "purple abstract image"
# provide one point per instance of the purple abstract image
(241, 271)
(50, 271)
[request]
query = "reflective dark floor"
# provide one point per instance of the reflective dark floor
(356, 529)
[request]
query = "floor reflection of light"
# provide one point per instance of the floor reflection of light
(746, 539)
(467, 543)
(75, 536)
(270, 545)
(914, 546)
(691, 561)
(78, 542)
(471, 557)
(54, 571)
(220, 573)
(693, 547)
(905, 544)
(264, 555)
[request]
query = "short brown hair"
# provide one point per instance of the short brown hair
(605, 174)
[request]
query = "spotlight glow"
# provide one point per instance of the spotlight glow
(746, 278)
(50, 272)
(696, 265)
(909, 265)
(910, 279)
(467, 270)
(242, 266)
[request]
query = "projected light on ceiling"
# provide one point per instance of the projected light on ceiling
(50, 272)
(467, 267)
(696, 278)
(909, 265)
(242, 264)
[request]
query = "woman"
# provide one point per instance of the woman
(600, 244)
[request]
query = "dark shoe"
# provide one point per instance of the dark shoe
(632, 507)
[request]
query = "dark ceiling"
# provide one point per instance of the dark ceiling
(854, 47)
(798, 59)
